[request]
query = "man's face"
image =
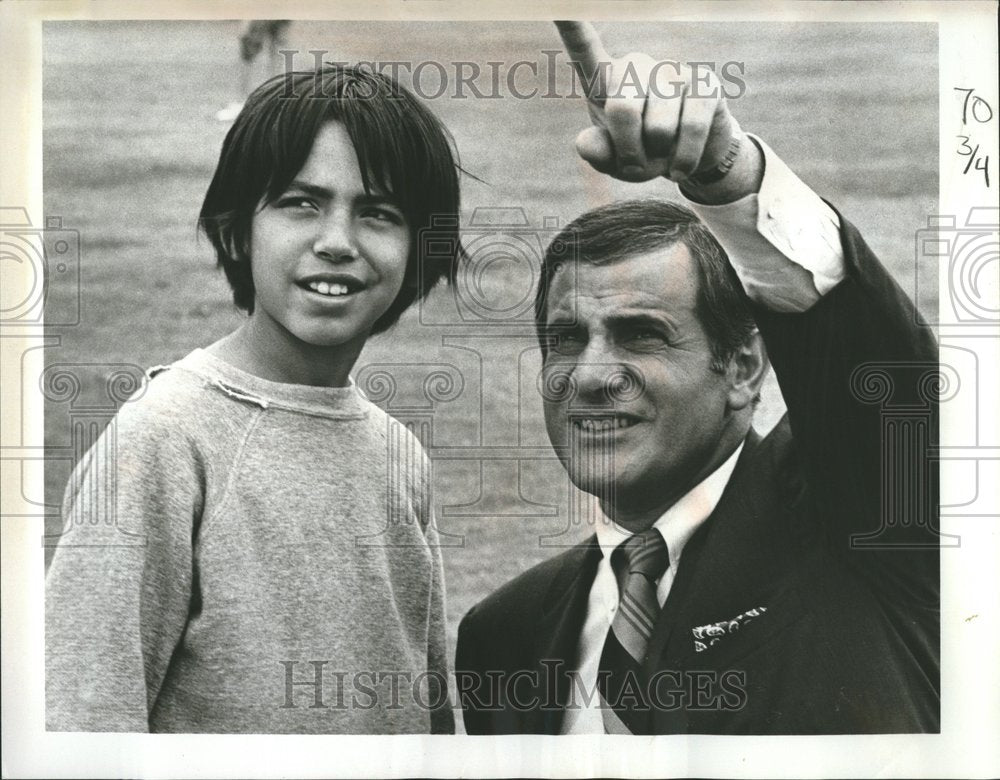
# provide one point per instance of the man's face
(646, 418)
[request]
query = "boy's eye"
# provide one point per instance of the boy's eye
(296, 201)
(383, 214)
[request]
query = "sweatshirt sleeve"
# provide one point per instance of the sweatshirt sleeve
(442, 717)
(118, 591)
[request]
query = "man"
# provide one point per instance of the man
(740, 584)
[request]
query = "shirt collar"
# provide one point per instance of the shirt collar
(681, 520)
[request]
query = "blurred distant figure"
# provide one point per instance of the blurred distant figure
(254, 36)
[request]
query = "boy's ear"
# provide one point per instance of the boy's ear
(411, 279)
(746, 371)
(241, 245)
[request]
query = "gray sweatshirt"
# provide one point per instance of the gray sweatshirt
(240, 555)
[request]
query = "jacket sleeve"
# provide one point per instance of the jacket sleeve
(469, 676)
(858, 372)
(118, 590)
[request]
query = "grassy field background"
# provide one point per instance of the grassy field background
(130, 143)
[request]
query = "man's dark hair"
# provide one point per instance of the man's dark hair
(633, 227)
(403, 150)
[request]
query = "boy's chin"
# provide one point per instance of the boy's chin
(337, 342)
(333, 339)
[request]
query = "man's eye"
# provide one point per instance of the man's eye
(567, 343)
(645, 337)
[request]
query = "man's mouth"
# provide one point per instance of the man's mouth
(603, 423)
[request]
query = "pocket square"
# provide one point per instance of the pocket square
(711, 633)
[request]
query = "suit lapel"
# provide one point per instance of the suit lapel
(557, 633)
(728, 562)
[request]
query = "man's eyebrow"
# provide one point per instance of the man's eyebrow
(642, 319)
(561, 318)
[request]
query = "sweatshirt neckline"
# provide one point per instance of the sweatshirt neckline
(341, 402)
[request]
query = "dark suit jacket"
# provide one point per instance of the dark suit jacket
(849, 642)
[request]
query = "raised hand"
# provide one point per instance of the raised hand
(650, 118)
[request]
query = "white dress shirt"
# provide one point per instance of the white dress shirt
(676, 525)
(784, 243)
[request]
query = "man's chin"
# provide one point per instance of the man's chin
(606, 487)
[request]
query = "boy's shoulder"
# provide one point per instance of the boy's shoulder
(399, 443)
(180, 398)
(408, 435)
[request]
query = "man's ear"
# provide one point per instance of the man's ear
(746, 370)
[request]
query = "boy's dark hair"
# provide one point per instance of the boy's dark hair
(633, 227)
(402, 148)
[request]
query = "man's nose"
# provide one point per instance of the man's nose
(602, 378)
(335, 240)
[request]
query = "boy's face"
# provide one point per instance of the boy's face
(327, 258)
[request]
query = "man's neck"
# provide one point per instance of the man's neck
(636, 518)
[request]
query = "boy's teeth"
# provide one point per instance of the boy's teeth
(328, 288)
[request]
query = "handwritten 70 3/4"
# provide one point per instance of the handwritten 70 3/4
(979, 111)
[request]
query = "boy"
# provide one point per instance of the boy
(288, 578)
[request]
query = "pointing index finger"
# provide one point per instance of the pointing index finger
(584, 47)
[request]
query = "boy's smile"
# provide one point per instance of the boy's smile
(327, 257)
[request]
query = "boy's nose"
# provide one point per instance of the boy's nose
(335, 239)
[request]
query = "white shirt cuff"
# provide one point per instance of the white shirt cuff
(783, 242)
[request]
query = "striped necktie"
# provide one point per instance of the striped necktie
(638, 564)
